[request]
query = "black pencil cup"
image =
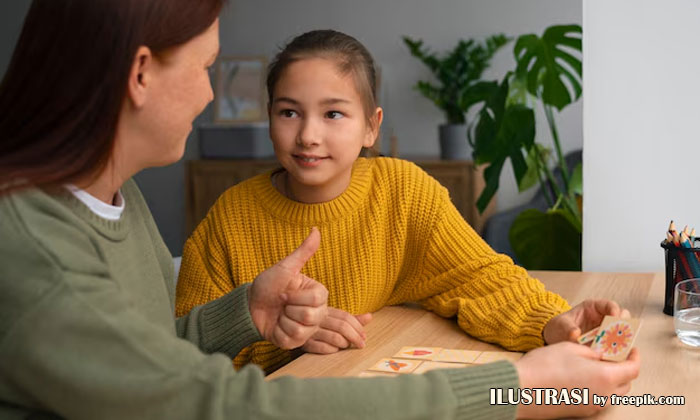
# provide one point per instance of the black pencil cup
(681, 264)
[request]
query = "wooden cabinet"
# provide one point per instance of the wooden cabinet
(206, 180)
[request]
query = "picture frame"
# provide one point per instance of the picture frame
(239, 90)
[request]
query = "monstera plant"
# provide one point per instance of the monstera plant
(548, 75)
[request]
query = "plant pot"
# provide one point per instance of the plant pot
(453, 142)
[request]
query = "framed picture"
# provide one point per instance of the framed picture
(239, 90)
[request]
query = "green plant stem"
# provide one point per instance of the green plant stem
(546, 190)
(557, 146)
(562, 198)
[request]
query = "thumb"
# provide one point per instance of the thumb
(574, 334)
(364, 318)
(296, 260)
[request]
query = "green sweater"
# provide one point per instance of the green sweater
(87, 330)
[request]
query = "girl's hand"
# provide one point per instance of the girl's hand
(338, 331)
(569, 365)
(580, 319)
(287, 307)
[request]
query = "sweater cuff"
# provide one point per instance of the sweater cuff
(533, 326)
(226, 325)
(472, 388)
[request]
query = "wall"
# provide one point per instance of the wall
(640, 129)
(259, 27)
(11, 18)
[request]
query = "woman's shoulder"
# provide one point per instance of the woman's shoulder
(40, 230)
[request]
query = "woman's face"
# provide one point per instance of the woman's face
(178, 92)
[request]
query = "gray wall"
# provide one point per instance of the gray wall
(259, 27)
(11, 18)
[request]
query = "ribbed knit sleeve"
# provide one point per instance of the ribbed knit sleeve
(494, 300)
(223, 325)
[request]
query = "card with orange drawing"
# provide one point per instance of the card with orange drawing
(395, 365)
(615, 337)
(420, 353)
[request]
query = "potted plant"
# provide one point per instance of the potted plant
(548, 74)
(459, 87)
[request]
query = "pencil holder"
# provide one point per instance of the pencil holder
(681, 264)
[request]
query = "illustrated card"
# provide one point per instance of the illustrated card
(368, 374)
(457, 356)
(396, 365)
(493, 356)
(588, 337)
(422, 353)
(426, 366)
(615, 337)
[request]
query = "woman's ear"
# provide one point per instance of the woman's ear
(140, 76)
(375, 123)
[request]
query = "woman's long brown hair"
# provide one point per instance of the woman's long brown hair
(63, 90)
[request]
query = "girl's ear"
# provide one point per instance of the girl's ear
(140, 76)
(375, 122)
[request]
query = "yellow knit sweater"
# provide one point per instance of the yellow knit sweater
(392, 237)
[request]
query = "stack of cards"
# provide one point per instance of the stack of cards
(614, 338)
(422, 359)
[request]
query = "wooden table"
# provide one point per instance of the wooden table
(668, 367)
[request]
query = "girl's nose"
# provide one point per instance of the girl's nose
(309, 134)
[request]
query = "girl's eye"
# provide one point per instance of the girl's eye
(288, 113)
(334, 115)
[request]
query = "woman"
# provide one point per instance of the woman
(95, 92)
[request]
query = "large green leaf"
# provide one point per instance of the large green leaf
(541, 60)
(502, 133)
(532, 176)
(546, 241)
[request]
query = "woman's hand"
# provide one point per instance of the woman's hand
(338, 331)
(287, 307)
(583, 317)
(569, 365)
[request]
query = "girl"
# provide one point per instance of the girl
(390, 232)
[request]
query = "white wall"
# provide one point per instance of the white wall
(259, 27)
(641, 113)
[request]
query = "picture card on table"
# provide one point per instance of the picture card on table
(427, 366)
(493, 356)
(395, 365)
(421, 353)
(457, 356)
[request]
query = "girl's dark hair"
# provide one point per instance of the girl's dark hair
(352, 57)
(62, 93)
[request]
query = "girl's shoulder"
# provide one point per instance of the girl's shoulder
(245, 190)
(400, 172)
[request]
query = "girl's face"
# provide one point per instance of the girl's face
(318, 127)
